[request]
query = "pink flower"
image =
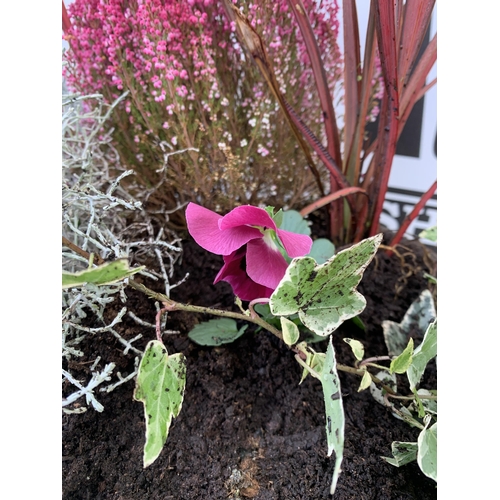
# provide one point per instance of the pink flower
(247, 238)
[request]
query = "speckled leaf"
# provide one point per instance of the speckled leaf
(325, 295)
(427, 451)
(389, 380)
(160, 387)
(334, 410)
(416, 320)
(404, 453)
(426, 351)
(105, 274)
(216, 332)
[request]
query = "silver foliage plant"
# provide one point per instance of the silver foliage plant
(101, 218)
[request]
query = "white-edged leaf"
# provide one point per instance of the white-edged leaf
(325, 295)
(357, 348)
(290, 331)
(387, 379)
(403, 361)
(160, 385)
(334, 410)
(426, 351)
(416, 320)
(105, 274)
(366, 382)
(403, 452)
(216, 332)
(427, 451)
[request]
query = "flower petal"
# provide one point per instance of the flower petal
(203, 225)
(265, 265)
(233, 273)
(296, 245)
(247, 215)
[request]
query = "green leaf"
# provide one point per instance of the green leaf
(324, 295)
(429, 234)
(427, 451)
(278, 217)
(416, 320)
(357, 348)
(160, 385)
(322, 250)
(403, 361)
(270, 210)
(294, 222)
(431, 278)
(105, 274)
(426, 351)
(403, 452)
(290, 331)
(358, 323)
(216, 332)
(335, 420)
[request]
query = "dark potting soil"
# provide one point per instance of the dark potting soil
(247, 429)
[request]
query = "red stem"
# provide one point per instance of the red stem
(66, 23)
(412, 216)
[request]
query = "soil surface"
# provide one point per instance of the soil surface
(247, 429)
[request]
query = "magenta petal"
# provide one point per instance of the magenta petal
(249, 216)
(296, 245)
(203, 225)
(243, 287)
(265, 265)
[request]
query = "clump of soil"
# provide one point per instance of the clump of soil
(246, 428)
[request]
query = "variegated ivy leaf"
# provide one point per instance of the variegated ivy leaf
(403, 361)
(366, 381)
(105, 274)
(427, 451)
(404, 453)
(416, 320)
(160, 387)
(357, 348)
(290, 331)
(334, 409)
(426, 351)
(325, 295)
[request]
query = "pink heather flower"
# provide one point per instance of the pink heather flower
(247, 239)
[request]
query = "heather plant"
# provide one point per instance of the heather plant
(191, 88)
